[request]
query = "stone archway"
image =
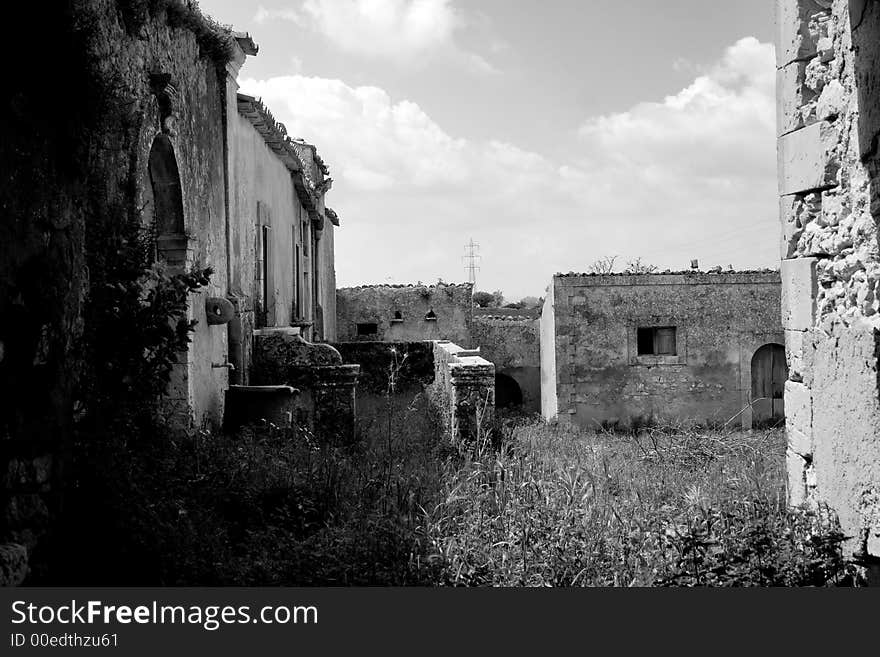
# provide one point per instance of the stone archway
(769, 372)
(508, 394)
(165, 203)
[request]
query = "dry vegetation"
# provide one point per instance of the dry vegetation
(531, 505)
(668, 506)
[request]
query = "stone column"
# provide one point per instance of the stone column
(473, 399)
(334, 395)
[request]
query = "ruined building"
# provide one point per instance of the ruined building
(510, 339)
(154, 135)
(401, 313)
(621, 349)
(828, 122)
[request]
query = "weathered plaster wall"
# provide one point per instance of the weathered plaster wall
(513, 345)
(272, 177)
(828, 57)
(721, 320)
(378, 304)
(549, 398)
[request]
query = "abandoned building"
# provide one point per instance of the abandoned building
(623, 349)
(828, 121)
(511, 341)
(405, 313)
(175, 152)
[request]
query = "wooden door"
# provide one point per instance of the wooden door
(769, 373)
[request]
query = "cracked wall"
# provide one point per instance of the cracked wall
(828, 120)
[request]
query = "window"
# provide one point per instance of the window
(398, 317)
(367, 329)
(431, 316)
(656, 341)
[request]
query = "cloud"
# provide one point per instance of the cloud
(407, 32)
(691, 175)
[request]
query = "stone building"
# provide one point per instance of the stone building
(828, 121)
(405, 313)
(511, 340)
(155, 136)
(699, 347)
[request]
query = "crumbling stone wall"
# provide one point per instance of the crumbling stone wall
(327, 388)
(513, 344)
(463, 391)
(591, 357)
(73, 165)
(406, 313)
(828, 120)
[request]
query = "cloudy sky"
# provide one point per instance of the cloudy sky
(552, 133)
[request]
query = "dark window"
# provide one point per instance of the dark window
(398, 317)
(656, 341)
(367, 329)
(431, 316)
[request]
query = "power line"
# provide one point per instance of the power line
(470, 258)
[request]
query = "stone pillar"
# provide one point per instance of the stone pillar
(473, 399)
(334, 395)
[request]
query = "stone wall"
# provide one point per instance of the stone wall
(327, 388)
(590, 339)
(828, 120)
(405, 313)
(463, 391)
(72, 164)
(513, 345)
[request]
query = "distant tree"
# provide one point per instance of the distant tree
(515, 305)
(530, 302)
(498, 298)
(483, 299)
(638, 267)
(603, 265)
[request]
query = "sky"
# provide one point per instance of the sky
(551, 133)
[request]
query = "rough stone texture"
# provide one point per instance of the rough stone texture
(13, 564)
(513, 344)
(463, 391)
(378, 304)
(589, 327)
(830, 243)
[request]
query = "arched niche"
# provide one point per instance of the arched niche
(165, 195)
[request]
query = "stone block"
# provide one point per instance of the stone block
(793, 38)
(799, 351)
(799, 442)
(799, 290)
(806, 159)
(798, 408)
(793, 98)
(796, 484)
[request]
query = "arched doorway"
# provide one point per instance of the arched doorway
(769, 373)
(507, 392)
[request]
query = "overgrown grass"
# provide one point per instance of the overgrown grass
(552, 506)
(675, 506)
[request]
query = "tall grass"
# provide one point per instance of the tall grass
(673, 506)
(525, 505)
